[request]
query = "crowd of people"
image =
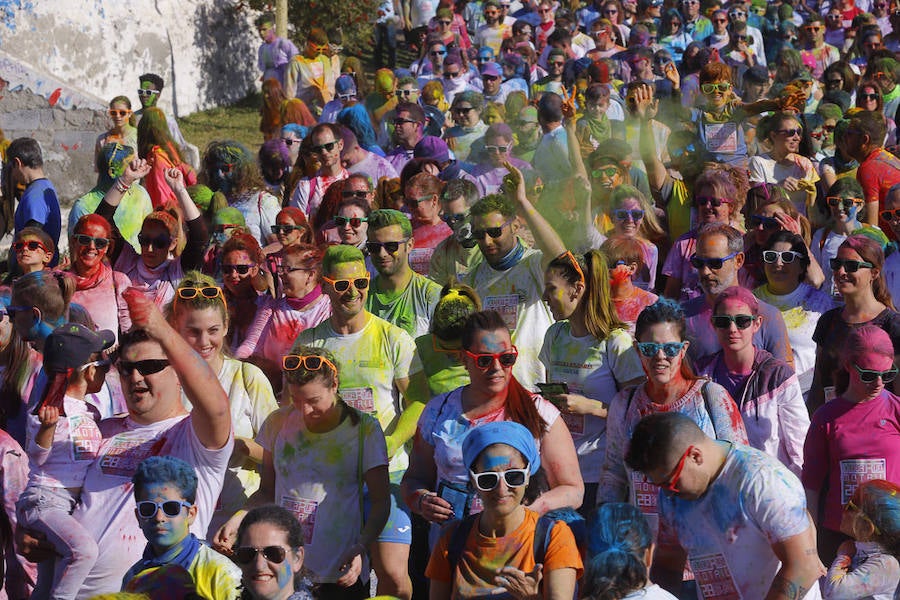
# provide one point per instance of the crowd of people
(588, 301)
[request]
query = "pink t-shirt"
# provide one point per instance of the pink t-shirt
(848, 444)
(427, 237)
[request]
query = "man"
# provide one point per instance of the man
(739, 515)
(409, 128)
(649, 10)
(552, 83)
(345, 95)
(275, 53)
(878, 169)
(458, 253)
(151, 87)
(156, 366)
(488, 174)
(311, 75)
(891, 215)
(640, 66)
(695, 24)
(494, 31)
(358, 160)
(815, 51)
(380, 374)
(420, 196)
(579, 42)
(39, 205)
(886, 73)
(718, 259)
(605, 45)
(327, 145)
(407, 91)
(510, 280)
(528, 133)
(551, 157)
(492, 83)
(399, 295)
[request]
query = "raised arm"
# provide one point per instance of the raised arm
(656, 170)
(545, 237)
(134, 171)
(198, 234)
(211, 414)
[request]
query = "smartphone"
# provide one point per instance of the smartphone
(551, 390)
(458, 498)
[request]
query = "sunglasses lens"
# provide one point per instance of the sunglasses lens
(743, 321)
(508, 359)
(146, 509)
(671, 349)
(361, 283)
(484, 361)
(487, 481)
(648, 349)
(313, 363)
(291, 363)
(342, 285)
(515, 478)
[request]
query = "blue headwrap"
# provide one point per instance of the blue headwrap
(501, 432)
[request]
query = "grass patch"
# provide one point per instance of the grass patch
(239, 122)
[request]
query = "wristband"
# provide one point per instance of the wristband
(422, 495)
(121, 185)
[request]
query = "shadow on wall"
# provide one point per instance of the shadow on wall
(227, 59)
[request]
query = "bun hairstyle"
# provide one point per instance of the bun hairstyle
(619, 538)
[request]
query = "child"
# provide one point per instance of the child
(63, 440)
(34, 249)
(165, 488)
(621, 550)
(625, 257)
(867, 568)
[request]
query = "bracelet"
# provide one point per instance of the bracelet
(422, 495)
(121, 185)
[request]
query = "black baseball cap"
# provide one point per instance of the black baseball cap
(71, 346)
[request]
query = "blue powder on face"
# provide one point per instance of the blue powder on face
(492, 462)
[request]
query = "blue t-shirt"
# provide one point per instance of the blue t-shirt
(40, 204)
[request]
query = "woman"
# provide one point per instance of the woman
(122, 131)
(625, 257)
(855, 436)
(782, 164)
(633, 216)
(672, 35)
(870, 97)
(153, 270)
(501, 458)
(199, 315)
(228, 167)
(589, 352)
(468, 126)
(839, 76)
(291, 230)
(859, 279)
(278, 322)
(156, 146)
(845, 201)
(439, 349)
(97, 287)
(765, 389)
(671, 386)
(352, 221)
(244, 277)
(270, 112)
(786, 260)
(318, 454)
(434, 485)
(19, 364)
(607, 173)
(269, 551)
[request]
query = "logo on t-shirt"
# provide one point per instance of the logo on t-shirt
(714, 578)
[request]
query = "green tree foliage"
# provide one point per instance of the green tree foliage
(349, 22)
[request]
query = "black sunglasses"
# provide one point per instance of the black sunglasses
(285, 229)
(160, 241)
(850, 266)
(870, 376)
(390, 247)
(147, 509)
(715, 264)
(769, 223)
(85, 240)
(144, 367)
(494, 232)
(241, 269)
(354, 222)
(244, 555)
(725, 321)
(327, 147)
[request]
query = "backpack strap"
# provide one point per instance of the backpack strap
(542, 531)
(704, 391)
(458, 540)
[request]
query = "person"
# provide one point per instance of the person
(619, 556)
(852, 438)
(671, 386)
(785, 259)
(399, 295)
(291, 230)
(275, 53)
(19, 574)
(765, 389)
(98, 288)
(312, 73)
(199, 315)
(740, 515)
(327, 145)
(783, 164)
(269, 550)
(456, 254)
(352, 218)
(867, 566)
(488, 174)
(154, 270)
(273, 100)
(625, 257)
(421, 194)
(633, 216)
(588, 351)
(510, 278)
(326, 495)
(155, 365)
(111, 162)
(845, 200)
(359, 161)
(433, 483)
(122, 131)
(439, 349)
(466, 109)
(60, 451)
(39, 204)
(228, 167)
(244, 279)
(165, 494)
(149, 92)
(878, 169)
(33, 249)
(858, 270)
(501, 459)
(162, 153)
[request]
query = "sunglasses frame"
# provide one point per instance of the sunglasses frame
(99, 243)
(725, 321)
(768, 257)
(304, 360)
(151, 366)
(241, 555)
(496, 356)
(698, 262)
(160, 506)
(493, 232)
(355, 282)
(651, 349)
(500, 475)
(837, 263)
(21, 246)
(226, 269)
(185, 292)
(144, 240)
(870, 376)
(354, 222)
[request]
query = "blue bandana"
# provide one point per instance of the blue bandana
(501, 432)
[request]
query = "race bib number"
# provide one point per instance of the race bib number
(722, 137)
(124, 453)
(575, 423)
(714, 578)
(645, 496)
(362, 399)
(507, 306)
(476, 505)
(305, 511)
(420, 260)
(857, 471)
(85, 438)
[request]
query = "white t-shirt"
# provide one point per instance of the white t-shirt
(317, 479)
(728, 532)
(259, 210)
(823, 253)
(107, 498)
(516, 295)
(594, 369)
(76, 441)
(763, 168)
(308, 194)
(370, 361)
